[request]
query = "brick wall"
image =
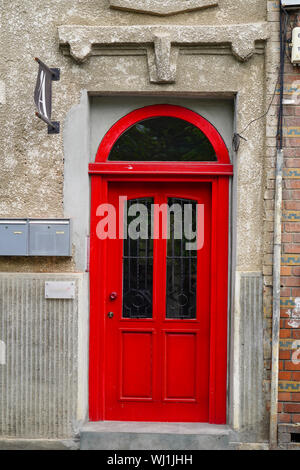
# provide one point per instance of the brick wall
(289, 376)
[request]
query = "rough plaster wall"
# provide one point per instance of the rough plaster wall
(31, 178)
(32, 167)
(229, 77)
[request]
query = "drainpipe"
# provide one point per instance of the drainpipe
(276, 300)
(277, 243)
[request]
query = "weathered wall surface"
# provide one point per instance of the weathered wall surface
(251, 415)
(41, 374)
(35, 180)
(289, 374)
(32, 167)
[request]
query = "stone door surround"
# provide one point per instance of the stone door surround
(162, 42)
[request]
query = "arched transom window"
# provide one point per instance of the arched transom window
(163, 139)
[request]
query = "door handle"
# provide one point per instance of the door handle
(110, 314)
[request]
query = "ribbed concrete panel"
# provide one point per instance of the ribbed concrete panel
(251, 352)
(38, 383)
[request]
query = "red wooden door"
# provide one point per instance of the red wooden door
(158, 312)
(157, 305)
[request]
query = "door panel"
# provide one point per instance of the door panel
(136, 361)
(158, 336)
(180, 362)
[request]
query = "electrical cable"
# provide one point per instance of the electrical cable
(283, 30)
(237, 136)
(280, 78)
(269, 107)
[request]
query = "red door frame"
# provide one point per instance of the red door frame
(217, 173)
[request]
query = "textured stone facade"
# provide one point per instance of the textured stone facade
(106, 48)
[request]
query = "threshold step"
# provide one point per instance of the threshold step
(120, 435)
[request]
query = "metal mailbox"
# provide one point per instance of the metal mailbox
(49, 237)
(35, 237)
(13, 237)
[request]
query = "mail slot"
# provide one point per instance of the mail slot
(49, 237)
(13, 237)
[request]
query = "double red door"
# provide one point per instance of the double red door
(157, 302)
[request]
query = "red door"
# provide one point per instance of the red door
(158, 323)
(158, 304)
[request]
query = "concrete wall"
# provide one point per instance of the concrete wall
(34, 161)
(46, 176)
(43, 368)
(252, 413)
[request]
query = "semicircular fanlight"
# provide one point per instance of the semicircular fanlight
(163, 139)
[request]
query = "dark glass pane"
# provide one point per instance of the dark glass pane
(181, 262)
(163, 139)
(138, 260)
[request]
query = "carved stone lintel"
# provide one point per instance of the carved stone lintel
(162, 7)
(163, 41)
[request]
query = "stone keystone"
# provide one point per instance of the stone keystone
(162, 7)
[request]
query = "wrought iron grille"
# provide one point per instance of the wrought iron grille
(138, 261)
(181, 262)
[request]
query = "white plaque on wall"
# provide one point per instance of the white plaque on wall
(60, 290)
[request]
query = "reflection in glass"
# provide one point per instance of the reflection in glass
(138, 264)
(163, 139)
(181, 264)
